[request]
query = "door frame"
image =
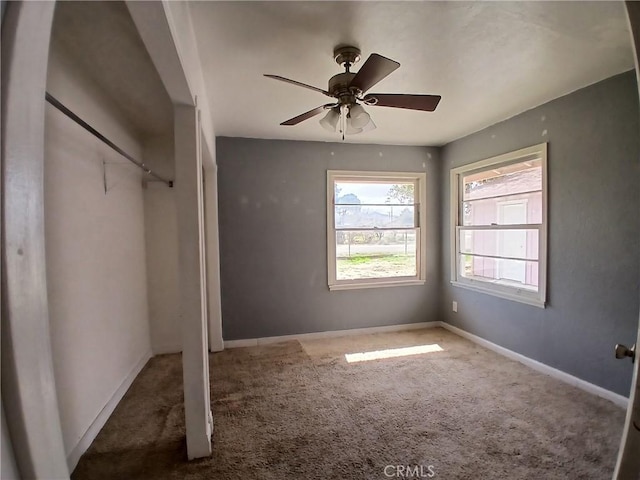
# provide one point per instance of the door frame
(28, 384)
(628, 463)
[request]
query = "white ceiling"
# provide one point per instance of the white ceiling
(489, 61)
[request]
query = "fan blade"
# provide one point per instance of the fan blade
(427, 103)
(304, 116)
(372, 71)
(300, 84)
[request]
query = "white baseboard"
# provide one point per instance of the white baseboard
(252, 342)
(92, 432)
(541, 367)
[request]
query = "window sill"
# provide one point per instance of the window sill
(501, 294)
(378, 284)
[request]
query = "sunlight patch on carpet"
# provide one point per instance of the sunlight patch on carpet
(392, 353)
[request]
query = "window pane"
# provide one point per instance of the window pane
(369, 216)
(503, 180)
(513, 273)
(517, 243)
(505, 195)
(523, 209)
(358, 193)
(375, 254)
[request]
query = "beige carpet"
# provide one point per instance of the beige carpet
(299, 410)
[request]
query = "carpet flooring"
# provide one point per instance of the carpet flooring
(299, 410)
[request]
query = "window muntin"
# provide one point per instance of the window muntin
(374, 235)
(499, 225)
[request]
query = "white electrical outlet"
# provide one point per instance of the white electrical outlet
(454, 307)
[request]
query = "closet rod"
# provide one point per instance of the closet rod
(56, 103)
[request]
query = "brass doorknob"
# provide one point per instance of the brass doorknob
(623, 351)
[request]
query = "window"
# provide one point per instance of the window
(499, 225)
(374, 235)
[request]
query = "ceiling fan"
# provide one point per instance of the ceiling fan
(347, 115)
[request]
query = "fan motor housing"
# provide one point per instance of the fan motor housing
(339, 84)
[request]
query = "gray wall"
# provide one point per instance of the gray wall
(594, 234)
(273, 240)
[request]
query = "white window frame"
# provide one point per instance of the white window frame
(420, 196)
(538, 299)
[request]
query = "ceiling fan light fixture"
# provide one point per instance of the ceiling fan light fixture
(358, 116)
(351, 130)
(346, 114)
(369, 126)
(330, 121)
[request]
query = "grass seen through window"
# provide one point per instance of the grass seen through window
(376, 265)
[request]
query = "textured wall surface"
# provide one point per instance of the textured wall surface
(594, 234)
(161, 241)
(95, 249)
(273, 239)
